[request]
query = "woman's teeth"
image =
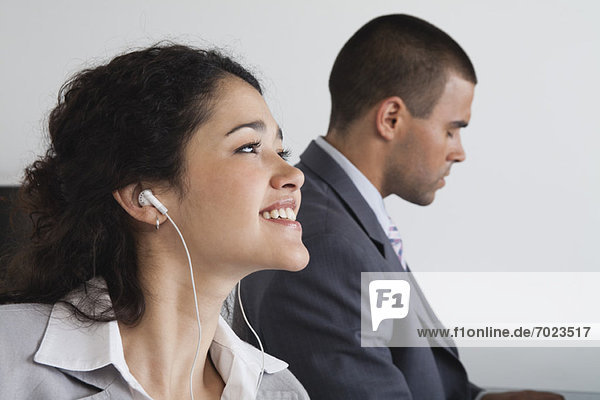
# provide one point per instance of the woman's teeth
(287, 213)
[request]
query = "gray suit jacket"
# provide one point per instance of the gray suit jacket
(22, 328)
(312, 318)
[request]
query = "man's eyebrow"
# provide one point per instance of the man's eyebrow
(256, 125)
(459, 124)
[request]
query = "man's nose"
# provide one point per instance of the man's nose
(457, 152)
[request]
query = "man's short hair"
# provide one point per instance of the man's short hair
(394, 55)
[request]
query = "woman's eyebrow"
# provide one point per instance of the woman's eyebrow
(256, 125)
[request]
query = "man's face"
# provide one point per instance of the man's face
(425, 151)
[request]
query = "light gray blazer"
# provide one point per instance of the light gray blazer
(22, 328)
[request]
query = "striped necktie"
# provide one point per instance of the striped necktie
(396, 242)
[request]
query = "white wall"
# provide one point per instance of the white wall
(527, 197)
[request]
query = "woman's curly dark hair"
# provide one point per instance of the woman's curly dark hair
(124, 122)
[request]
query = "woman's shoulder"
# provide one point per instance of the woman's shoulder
(283, 384)
(22, 329)
(22, 326)
(26, 307)
(14, 316)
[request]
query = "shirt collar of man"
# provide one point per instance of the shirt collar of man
(368, 191)
(71, 345)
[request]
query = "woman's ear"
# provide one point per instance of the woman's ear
(127, 197)
(390, 117)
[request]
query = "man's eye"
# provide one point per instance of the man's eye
(248, 148)
(450, 134)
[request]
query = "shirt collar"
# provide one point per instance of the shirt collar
(368, 191)
(239, 363)
(83, 347)
(75, 345)
(78, 346)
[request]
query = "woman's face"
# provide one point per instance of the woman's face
(235, 177)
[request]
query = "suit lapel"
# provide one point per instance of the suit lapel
(428, 319)
(319, 162)
(107, 379)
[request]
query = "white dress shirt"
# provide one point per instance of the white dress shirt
(68, 344)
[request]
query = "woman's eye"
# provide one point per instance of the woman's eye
(248, 148)
(285, 154)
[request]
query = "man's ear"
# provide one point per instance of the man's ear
(390, 117)
(127, 197)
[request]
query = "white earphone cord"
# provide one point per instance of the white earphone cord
(262, 350)
(187, 252)
(239, 285)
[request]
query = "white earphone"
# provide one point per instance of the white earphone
(147, 198)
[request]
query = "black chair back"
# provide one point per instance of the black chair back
(8, 195)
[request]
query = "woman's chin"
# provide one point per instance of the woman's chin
(295, 260)
(302, 259)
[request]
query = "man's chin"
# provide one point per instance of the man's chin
(421, 199)
(427, 201)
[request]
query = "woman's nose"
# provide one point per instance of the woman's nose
(287, 177)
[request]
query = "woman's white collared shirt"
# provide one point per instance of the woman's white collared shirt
(86, 349)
